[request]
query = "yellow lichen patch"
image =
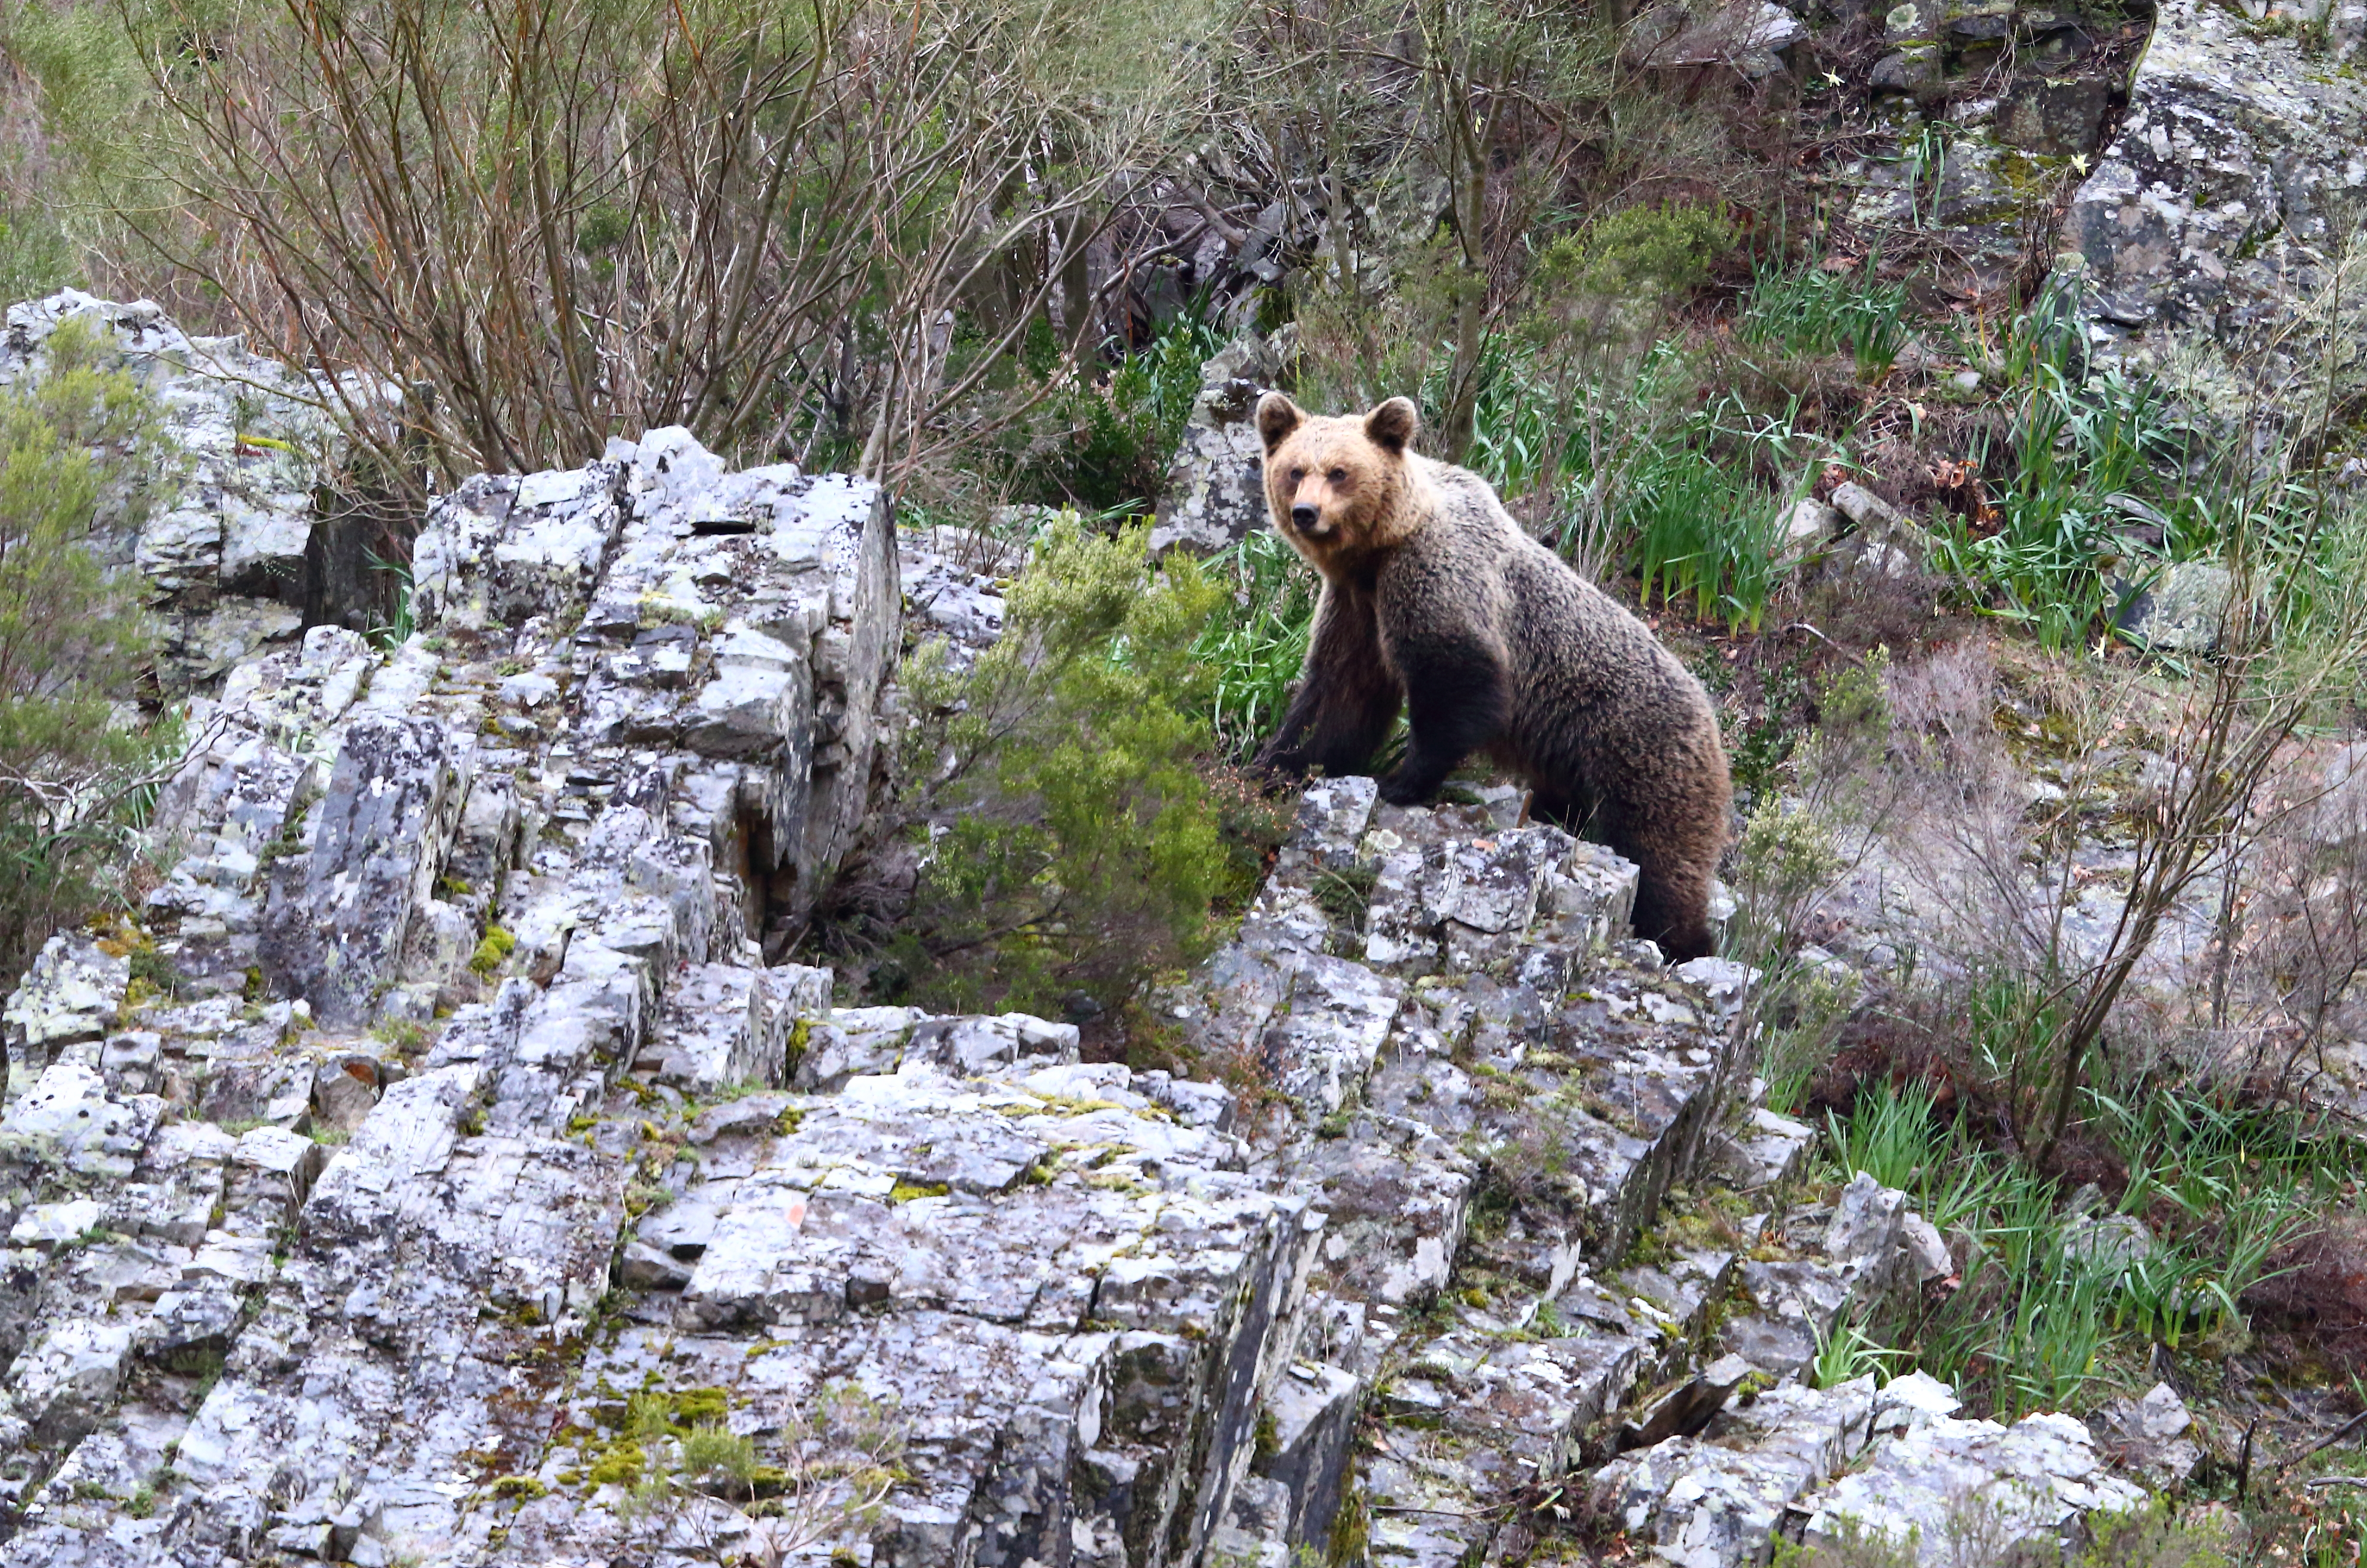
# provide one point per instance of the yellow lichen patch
(492, 950)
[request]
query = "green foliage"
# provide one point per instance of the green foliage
(395, 629)
(1785, 861)
(2081, 451)
(1073, 841)
(75, 443)
(2044, 1296)
(1103, 446)
(2156, 1536)
(1847, 1353)
(1605, 287)
(1888, 1135)
(1700, 525)
(1255, 643)
(492, 950)
(66, 177)
(1812, 309)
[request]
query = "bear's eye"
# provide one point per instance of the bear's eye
(1339, 476)
(1297, 475)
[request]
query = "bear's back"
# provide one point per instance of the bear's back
(1469, 535)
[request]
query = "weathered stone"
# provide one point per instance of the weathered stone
(1313, 1410)
(2063, 117)
(1215, 494)
(67, 1110)
(2111, 1241)
(223, 547)
(501, 549)
(68, 997)
(2180, 608)
(1863, 508)
(1688, 1407)
(2150, 1439)
(1808, 527)
(2212, 226)
(2030, 1485)
(335, 934)
(64, 1382)
(1714, 1501)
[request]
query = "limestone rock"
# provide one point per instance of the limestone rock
(2150, 1439)
(1808, 527)
(2208, 233)
(223, 547)
(1215, 494)
(2029, 1485)
(68, 997)
(2182, 608)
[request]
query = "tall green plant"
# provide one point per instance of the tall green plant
(1811, 310)
(1256, 641)
(77, 439)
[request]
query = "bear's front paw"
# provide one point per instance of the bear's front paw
(1398, 790)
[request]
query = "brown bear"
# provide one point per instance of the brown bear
(1435, 599)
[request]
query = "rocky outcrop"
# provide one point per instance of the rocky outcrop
(438, 1171)
(224, 535)
(2214, 226)
(1215, 494)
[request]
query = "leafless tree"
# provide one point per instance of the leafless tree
(548, 222)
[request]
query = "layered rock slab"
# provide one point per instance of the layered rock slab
(1058, 1276)
(427, 907)
(2215, 225)
(225, 545)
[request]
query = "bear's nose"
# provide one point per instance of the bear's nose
(1302, 516)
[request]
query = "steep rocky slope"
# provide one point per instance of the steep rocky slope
(439, 1173)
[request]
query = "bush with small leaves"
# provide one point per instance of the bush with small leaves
(1073, 838)
(77, 755)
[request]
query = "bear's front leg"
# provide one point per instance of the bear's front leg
(1456, 701)
(1347, 698)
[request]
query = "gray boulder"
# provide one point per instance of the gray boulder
(2211, 229)
(1215, 494)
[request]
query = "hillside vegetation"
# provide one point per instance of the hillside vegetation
(2058, 909)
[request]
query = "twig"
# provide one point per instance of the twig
(2327, 1442)
(2244, 1463)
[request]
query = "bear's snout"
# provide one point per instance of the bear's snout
(1304, 517)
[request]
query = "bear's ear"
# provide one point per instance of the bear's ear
(1392, 425)
(1277, 416)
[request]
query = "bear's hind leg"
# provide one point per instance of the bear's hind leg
(1672, 909)
(1456, 701)
(1672, 889)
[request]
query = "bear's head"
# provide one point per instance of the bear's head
(1337, 487)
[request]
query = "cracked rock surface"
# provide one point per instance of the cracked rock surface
(2215, 224)
(226, 548)
(439, 1172)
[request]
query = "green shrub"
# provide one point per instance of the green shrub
(74, 756)
(1104, 446)
(1601, 292)
(1072, 839)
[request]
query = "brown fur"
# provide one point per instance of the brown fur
(1434, 599)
